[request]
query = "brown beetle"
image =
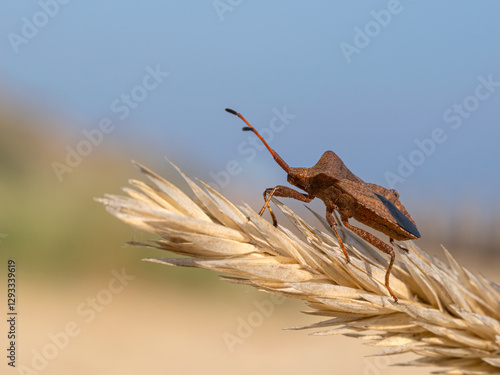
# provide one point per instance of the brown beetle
(341, 190)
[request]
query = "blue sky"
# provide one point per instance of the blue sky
(423, 73)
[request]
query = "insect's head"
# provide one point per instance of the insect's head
(298, 177)
(275, 155)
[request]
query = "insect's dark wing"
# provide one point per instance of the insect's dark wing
(378, 204)
(400, 218)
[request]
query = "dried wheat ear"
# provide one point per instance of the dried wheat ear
(446, 315)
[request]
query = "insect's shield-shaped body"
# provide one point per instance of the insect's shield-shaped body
(342, 191)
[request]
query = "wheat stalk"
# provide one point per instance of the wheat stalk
(445, 314)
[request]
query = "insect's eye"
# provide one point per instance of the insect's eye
(300, 175)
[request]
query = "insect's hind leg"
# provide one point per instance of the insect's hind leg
(285, 192)
(379, 244)
(391, 240)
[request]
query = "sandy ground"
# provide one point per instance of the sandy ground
(131, 329)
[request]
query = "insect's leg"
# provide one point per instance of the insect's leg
(333, 224)
(285, 192)
(379, 244)
(395, 244)
(267, 199)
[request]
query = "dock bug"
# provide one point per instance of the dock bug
(341, 190)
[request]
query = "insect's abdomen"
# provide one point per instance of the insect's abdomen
(389, 228)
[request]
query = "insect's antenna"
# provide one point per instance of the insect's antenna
(275, 155)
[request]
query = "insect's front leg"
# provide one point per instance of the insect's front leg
(285, 192)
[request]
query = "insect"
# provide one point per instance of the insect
(341, 190)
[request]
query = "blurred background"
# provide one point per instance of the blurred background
(406, 93)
